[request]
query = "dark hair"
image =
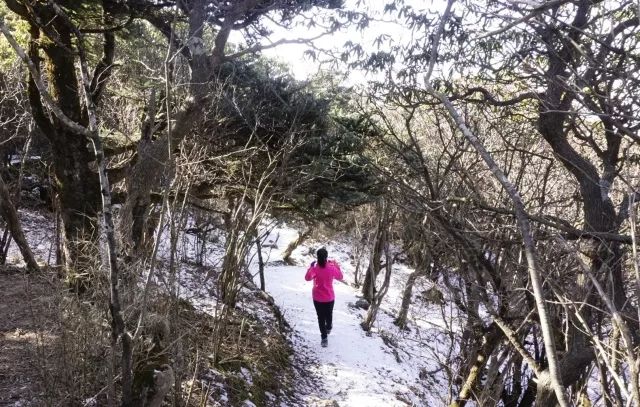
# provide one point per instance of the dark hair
(322, 257)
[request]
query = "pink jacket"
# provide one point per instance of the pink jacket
(323, 280)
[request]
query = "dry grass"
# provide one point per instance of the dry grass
(251, 346)
(54, 348)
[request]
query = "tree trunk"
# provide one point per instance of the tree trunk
(260, 263)
(553, 374)
(360, 247)
(599, 212)
(77, 199)
(75, 183)
(376, 301)
(5, 243)
(286, 255)
(489, 341)
(153, 156)
(375, 259)
(381, 248)
(401, 319)
(10, 215)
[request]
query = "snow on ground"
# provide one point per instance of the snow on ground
(40, 233)
(387, 367)
(357, 370)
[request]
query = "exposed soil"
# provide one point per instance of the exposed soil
(24, 306)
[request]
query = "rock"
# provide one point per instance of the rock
(163, 381)
(363, 304)
(433, 296)
(388, 339)
(326, 403)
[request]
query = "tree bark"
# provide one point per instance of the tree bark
(76, 183)
(153, 156)
(68, 120)
(360, 247)
(599, 212)
(77, 198)
(147, 175)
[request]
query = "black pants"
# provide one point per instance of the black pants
(325, 316)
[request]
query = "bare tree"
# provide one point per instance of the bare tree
(536, 99)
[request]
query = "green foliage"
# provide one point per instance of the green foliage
(20, 30)
(309, 128)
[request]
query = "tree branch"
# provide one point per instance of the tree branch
(488, 97)
(37, 80)
(102, 70)
(521, 217)
(536, 11)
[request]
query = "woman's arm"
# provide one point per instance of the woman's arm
(311, 272)
(337, 273)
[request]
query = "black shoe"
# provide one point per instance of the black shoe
(324, 342)
(328, 331)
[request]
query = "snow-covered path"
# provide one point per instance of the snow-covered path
(357, 370)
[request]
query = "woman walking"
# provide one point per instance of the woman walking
(323, 272)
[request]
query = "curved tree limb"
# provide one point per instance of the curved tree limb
(521, 216)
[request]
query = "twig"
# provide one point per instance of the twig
(193, 379)
(620, 323)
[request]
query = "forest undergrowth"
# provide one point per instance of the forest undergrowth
(55, 343)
